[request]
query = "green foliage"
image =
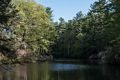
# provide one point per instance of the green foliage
(95, 34)
(35, 28)
(26, 25)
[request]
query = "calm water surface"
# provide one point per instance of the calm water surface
(59, 71)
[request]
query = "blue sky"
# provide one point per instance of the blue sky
(66, 8)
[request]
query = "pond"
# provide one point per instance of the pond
(59, 70)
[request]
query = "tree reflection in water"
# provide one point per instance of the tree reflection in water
(21, 72)
(61, 71)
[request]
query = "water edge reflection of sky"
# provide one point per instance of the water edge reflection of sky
(60, 71)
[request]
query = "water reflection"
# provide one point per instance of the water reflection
(61, 71)
(21, 72)
(67, 67)
(38, 71)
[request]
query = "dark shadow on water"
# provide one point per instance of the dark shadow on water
(61, 71)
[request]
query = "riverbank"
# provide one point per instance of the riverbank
(21, 60)
(43, 58)
(88, 61)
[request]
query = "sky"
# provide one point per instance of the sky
(66, 9)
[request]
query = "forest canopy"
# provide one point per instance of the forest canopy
(28, 26)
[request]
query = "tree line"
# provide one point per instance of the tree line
(95, 35)
(26, 25)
